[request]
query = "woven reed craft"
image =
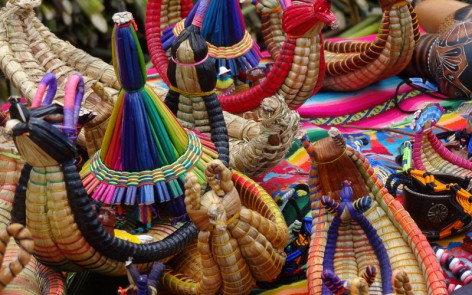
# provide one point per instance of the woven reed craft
(443, 57)
(298, 68)
(35, 277)
(440, 204)
(192, 95)
(29, 50)
(241, 239)
(51, 201)
(256, 147)
(429, 153)
(362, 239)
(352, 65)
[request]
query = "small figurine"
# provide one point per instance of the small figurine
(224, 83)
(142, 284)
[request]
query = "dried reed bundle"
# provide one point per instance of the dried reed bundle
(236, 245)
(349, 238)
(351, 65)
(275, 134)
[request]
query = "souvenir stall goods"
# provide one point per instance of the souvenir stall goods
(51, 201)
(29, 50)
(298, 68)
(258, 147)
(443, 57)
(352, 65)
(241, 239)
(440, 204)
(429, 153)
(360, 230)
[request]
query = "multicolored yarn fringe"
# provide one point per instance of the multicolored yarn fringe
(145, 152)
(222, 25)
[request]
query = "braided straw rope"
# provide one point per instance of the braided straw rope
(258, 147)
(362, 63)
(236, 245)
(407, 248)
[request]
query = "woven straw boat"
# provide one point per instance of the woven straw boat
(296, 73)
(241, 239)
(351, 65)
(369, 240)
(429, 153)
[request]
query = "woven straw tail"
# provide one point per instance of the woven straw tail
(352, 65)
(348, 243)
(258, 147)
(236, 245)
(26, 244)
(428, 151)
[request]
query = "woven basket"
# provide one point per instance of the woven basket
(351, 65)
(243, 244)
(400, 244)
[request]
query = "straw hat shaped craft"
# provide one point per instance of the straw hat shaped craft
(351, 65)
(241, 239)
(429, 153)
(359, 230)
(298, 57)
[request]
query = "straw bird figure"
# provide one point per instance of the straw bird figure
(298, 68)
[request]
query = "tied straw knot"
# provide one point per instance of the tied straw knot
(24, 4)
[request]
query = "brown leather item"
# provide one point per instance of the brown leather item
(433, 212)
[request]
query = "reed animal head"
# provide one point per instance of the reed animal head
(45, 134)
(299, 19)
